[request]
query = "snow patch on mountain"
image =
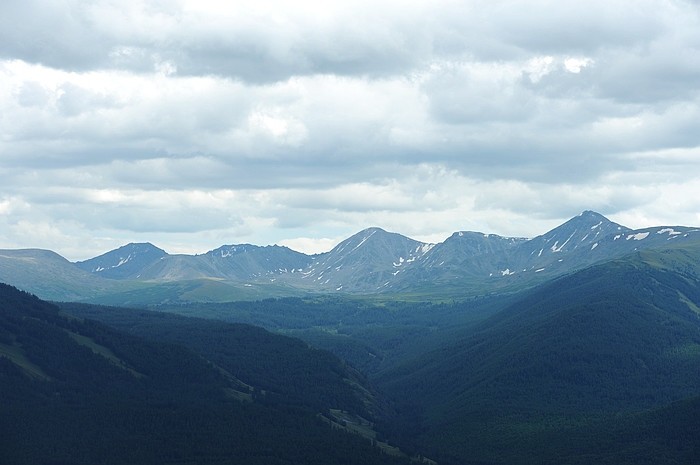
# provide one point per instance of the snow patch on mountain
(122, 261)
(638, 236)
(558, 249)
(424, 248)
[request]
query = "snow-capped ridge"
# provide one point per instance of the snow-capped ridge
(374, 260)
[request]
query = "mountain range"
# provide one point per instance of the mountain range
(373, 261)
(578, 346)
(599, 365)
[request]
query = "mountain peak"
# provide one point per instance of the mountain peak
(591, 215)
(141, 247)
(369, 259)
(124, 261)
(577, 241)
(226, 251)
(590, 212)
(370, 234)
(588, 221)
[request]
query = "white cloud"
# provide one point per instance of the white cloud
(575, 65)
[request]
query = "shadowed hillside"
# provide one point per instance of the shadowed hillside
(572, 358)
(75, 391)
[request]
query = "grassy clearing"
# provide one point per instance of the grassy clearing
(18, 357)
(245, 397)
(103, 351)
(689, 303)
(362, 427)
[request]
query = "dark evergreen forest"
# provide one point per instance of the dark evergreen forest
(75, 391)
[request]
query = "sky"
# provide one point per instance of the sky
(194, 124)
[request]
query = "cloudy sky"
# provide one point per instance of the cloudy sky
(192, 124)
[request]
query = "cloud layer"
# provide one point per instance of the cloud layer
(197, 123)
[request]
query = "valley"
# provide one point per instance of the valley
(578, 346)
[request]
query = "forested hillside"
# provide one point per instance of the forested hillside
(591, 367)
(76, 391)
(287, 369)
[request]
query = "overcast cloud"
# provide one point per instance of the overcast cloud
(192, 124)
